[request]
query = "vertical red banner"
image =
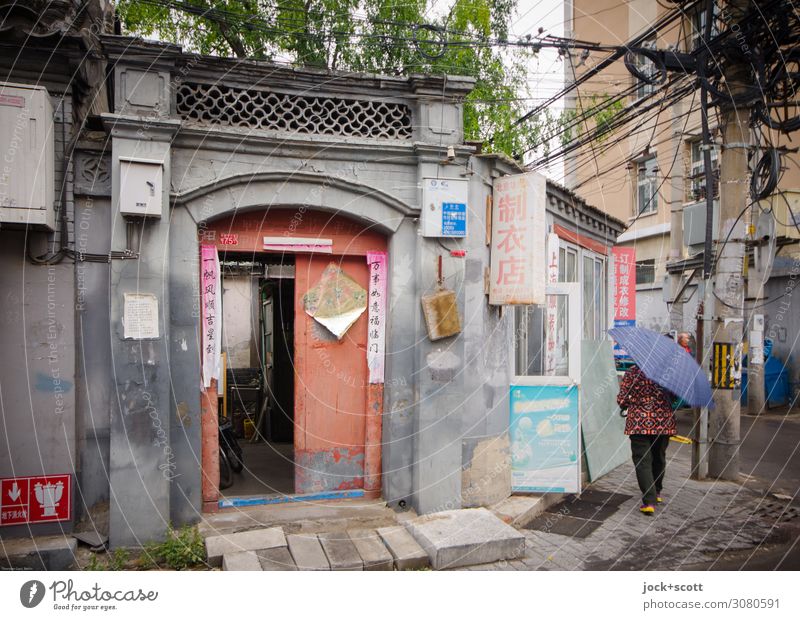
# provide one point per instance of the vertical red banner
(624, 264)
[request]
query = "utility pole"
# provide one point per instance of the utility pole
(676, 227)
(701, 427)
(727, 318)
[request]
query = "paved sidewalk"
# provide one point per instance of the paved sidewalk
(696, 522)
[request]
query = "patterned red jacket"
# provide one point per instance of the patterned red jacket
(649, 405)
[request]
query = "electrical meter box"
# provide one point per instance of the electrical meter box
(140, 187)
(444, 207)
(27, 180)
(694, 225)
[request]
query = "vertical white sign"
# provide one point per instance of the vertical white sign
(518, 271)
(376, 334)
(551, 356)
(211, 300)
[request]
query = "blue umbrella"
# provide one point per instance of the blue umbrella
(665, 362)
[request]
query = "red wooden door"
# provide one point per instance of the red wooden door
(331, 381)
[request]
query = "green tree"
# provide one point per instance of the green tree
(376, 36)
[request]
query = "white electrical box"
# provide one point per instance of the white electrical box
(140, 187)
(27, 180)
(443, 211)
(694, 225)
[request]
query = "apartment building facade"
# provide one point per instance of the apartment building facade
(650, 173)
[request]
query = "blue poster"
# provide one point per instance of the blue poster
(454, 219)
(545, 439)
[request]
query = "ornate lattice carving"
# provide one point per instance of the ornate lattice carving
(259, 109)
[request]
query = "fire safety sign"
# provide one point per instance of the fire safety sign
(35, 499)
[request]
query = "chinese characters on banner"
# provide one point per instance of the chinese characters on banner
(376, 300)
(518, 233)
(551, 354)
(624, 284)
(624, 266)
(211, 304)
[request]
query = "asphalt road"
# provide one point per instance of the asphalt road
(770, 449)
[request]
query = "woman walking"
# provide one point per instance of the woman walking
(649, 424)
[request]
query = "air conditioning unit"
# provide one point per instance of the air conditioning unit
(694, 225)
(27, 180)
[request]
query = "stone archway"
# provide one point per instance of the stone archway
(237, 197)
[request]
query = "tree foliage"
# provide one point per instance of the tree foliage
(376, 36)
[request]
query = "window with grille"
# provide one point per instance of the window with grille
(646, 67)
(646, 271)
(647, 185)
(697, 26)
(696, 183)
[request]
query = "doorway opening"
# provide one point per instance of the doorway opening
(259, 356)
(298, 395)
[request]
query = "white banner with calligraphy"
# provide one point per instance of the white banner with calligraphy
(551, 354)
(211, 305)
(518, 270)
(376, 332)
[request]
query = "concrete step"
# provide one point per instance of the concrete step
(38, 553)
(373, 552)
(307, 552)
(301, 517)
(520, 510)
(277, 558)
(407, 553)
(340, 551)
(240, 561)
(455, 538)
(253, 540)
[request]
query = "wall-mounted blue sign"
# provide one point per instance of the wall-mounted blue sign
(454, 219)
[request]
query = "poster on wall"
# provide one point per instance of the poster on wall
(624, 274)
(545, 439)
(517, 268)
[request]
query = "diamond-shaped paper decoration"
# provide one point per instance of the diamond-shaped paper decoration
(336, 301)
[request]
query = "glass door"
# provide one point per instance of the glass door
(544, 424)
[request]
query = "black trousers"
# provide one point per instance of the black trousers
(650, 460)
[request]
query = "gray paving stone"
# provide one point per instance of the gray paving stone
(461, 537)
(38, 553)
(253, 540)
(340, 551)
(307, 552)
(240, 561)
(277, 558)
(373, 552)
(407, 553)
